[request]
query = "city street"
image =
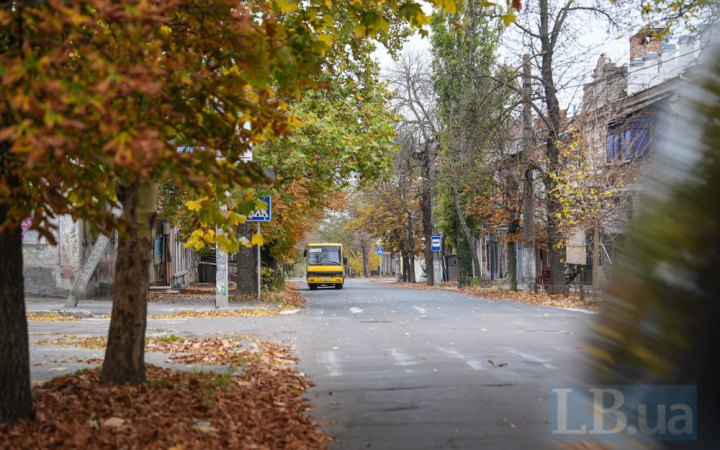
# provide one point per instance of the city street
(397, 368)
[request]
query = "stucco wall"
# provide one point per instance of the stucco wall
(50, 270)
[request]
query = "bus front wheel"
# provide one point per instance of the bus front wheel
(339, 286)
(312, 286)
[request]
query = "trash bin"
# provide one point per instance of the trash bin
(207, 267)
(453, 267)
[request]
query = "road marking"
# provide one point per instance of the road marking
(580, 310)
(420, 310)
(355, 310)
(401, 358)
(475, 365)
(545, 362)
(331, 363)
(512, 309)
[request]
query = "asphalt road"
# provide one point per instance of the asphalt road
(409, 369)
(400, 368)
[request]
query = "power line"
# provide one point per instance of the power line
(629, 72)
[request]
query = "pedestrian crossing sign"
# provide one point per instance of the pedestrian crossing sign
(262, 214)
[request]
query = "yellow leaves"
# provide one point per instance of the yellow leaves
(235, 218)
(326, 39)
(193, 205)
(359, 30)
(224, 242)
(201, 238)
(287, 6)
(508, 18)
(295, 122)
(5, 18)
(165, 30)
(75, 199)
(196, 205)
(196, 240)
(260, 205)
(448, 5)
(257, 240)
(49, 317)
(422, 19)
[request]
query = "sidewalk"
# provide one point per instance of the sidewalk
(102, 307)
(537, 299)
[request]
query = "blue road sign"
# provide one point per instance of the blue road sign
(435, 243)
(260, 215)
(379, 251)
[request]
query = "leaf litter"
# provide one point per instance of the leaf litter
(537, 299)
(261, 407)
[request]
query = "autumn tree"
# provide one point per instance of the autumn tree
(549, 32)
(391, 210)
(343, 140)
(463, 53)
(97, 99)
(414, 103)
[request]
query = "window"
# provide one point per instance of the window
(613, 146)
(638, 140)
(630, 140)
(323, 256)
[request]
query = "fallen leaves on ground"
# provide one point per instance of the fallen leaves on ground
(217, 313)
(89, 342)
(207, 351)
(260, 408)
(223, 351)
(49, 317)
(183, 350)
(287, 298)
(495, 365)
(539, 299)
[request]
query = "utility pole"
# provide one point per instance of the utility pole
(221, 275)
(259, 267)
(528, 212)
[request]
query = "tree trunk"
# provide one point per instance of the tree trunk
(411, 247)
(557, 275)
(411, 269)
(512, 255)
(426, 208)
(596, 262)
(406, 265)
(469, 238)
(528, 211)
(125, 353)
(246, 264)
(15, 394)
(364, 247)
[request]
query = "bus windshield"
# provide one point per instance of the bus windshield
(323, 256)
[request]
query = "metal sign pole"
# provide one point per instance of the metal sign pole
(259, 265)
(221, 274)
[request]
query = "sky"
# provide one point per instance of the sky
(616, 47)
